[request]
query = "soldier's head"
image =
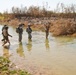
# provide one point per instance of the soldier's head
(29, 24)
(5, 25)
(21, 25)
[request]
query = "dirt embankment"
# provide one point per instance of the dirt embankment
(58, 27)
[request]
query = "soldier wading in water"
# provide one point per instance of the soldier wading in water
(5, 35)
(29, 31)
(47, 27)
(19, 30)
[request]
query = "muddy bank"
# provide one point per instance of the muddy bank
(58, 27)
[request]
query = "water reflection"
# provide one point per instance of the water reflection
(47, 44)
(6, 52)
(29, 45)
(20, 50)
(64, 40)
(62, 55)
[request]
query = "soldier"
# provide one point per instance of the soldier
(29, 31)
(6, 34)
(47, 27)
(2, 31)
(19, 30)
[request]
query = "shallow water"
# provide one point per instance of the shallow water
(54, 56)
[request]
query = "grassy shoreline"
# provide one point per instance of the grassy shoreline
(58, 27)
(7, 69)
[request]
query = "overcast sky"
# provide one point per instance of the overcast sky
(8, 4)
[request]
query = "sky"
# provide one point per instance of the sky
(8, 4)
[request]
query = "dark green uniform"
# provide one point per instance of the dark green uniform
(29, 31)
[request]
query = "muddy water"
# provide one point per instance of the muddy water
(54, 56)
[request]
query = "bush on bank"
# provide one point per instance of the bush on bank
(5, 68)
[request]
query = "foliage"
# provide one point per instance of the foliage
(5, 68)
(61, 10)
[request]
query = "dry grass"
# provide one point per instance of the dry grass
(58, 26)
(63, 27)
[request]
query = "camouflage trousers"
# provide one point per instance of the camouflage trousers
(20, 37)
(29, 36)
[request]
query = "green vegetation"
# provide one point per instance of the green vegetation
(5, 68)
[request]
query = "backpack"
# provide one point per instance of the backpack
(17, 30)
(29, 30)
(4, 32)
